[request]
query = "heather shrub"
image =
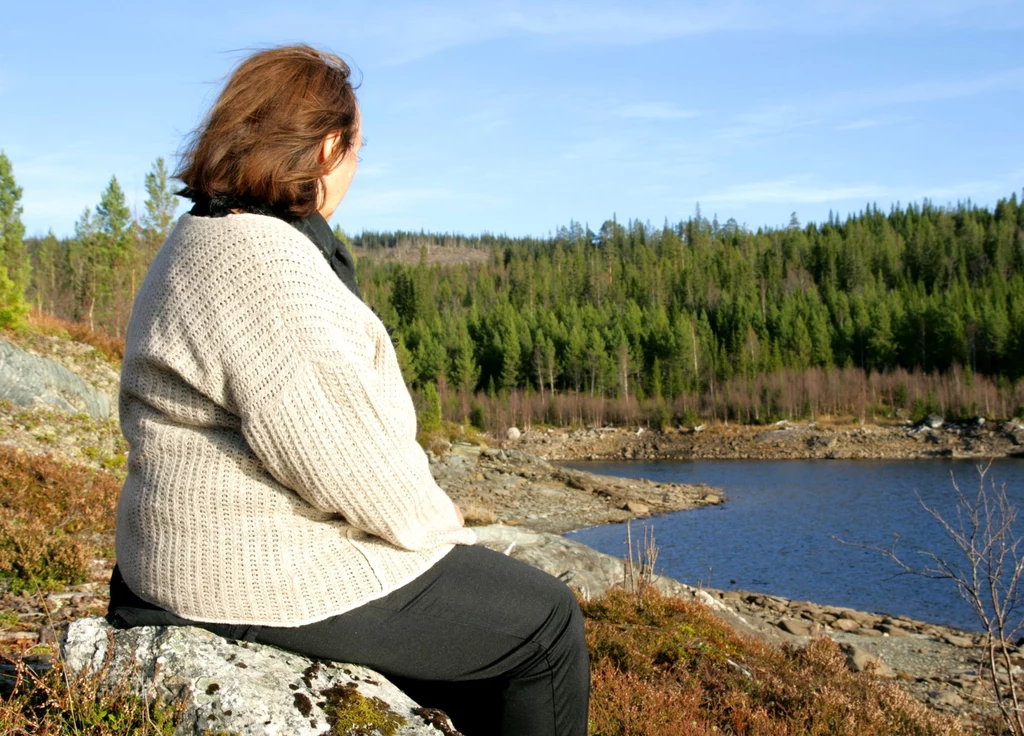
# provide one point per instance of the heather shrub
(112, 348)
(54, 517)
(662, 666)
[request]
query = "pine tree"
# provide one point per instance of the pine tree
(107, 256)
(14, 263)
(47, 273)
(160, 208)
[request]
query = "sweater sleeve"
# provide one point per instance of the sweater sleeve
(329, 436)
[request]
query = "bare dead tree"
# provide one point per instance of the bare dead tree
(987, 573)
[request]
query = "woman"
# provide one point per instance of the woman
(275, 490)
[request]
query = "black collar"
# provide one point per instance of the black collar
(314, 227)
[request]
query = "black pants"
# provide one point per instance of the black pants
(495, 643)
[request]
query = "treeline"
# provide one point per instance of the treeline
(90, 278)
(697, 309)
(658, 324)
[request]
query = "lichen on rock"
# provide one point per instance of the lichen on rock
(240, 687)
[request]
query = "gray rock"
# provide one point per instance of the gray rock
(513, 433)
(236, 687)
(797, 627)
(933, 421)
(869, 632)
(845, 624)
(28, 380)
(964, 642)
(945, 697)
(861, 660)
(860, 617)
(637, 508)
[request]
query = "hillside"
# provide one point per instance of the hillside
(60, 476)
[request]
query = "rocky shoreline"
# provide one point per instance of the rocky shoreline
(941, 666)
(784, 440)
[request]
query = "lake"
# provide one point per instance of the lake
(779, 531)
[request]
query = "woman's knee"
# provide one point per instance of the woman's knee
(564, 627)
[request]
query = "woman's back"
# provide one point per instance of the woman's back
(241, 335)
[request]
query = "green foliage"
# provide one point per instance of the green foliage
(350, 713)
(15, 268)
(161, 204)
(430, 414)
(637, 311)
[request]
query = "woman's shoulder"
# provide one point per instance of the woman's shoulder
(239, 232)
(245, 246)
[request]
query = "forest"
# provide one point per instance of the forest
(916, 310)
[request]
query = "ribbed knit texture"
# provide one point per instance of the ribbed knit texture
(273, 475)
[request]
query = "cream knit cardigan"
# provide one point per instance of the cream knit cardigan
(273, 475)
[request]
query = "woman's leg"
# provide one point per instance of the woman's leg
(495, 643)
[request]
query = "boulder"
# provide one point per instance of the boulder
(861, 660)
(513, 433)
(964, 642)
(238, 687)
(945, 697)
(637, 508)
(933, 421)
(797, 627)
(28, 380)
(845, 624)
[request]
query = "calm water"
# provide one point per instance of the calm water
(779, 531)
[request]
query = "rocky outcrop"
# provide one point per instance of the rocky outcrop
(28, 380)
(504, 484)
(238, 687)
(241, 687)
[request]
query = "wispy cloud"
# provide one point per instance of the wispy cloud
(805, 190)
(934, 90)
(769, 121)
(865, 123)
(653, 111)
(791, 190)
(858, 109)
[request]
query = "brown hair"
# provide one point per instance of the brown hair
(260, 143)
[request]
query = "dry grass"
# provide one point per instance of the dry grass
(665, 667)
(112, 348)
(848, 393)
(54, 519)
(52, 703)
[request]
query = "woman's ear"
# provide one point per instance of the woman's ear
(329, 145)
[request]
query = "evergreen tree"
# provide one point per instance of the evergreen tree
(14, 263)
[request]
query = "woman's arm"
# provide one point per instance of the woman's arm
(330, 437)
(320, 404)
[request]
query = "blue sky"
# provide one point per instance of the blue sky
(516, 117)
